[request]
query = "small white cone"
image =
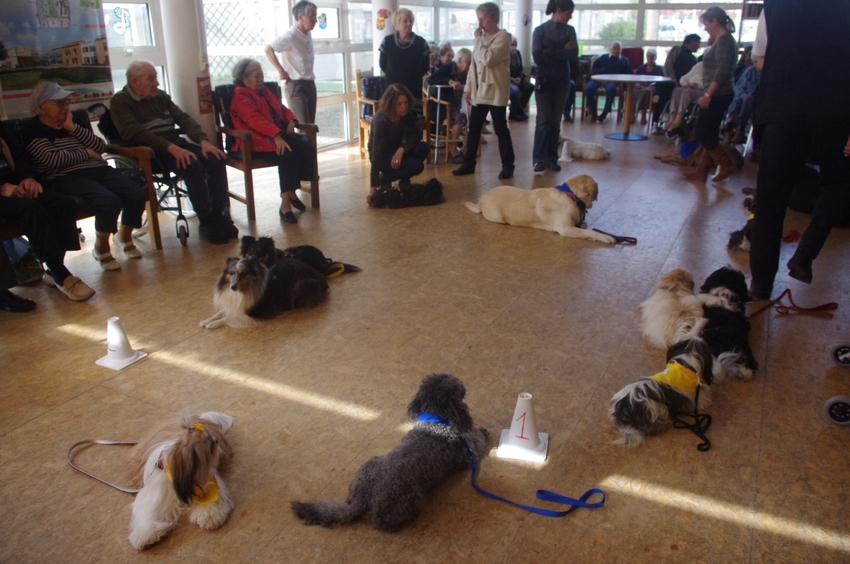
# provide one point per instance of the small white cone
(565, 151)
(119, 353)
(522, 441)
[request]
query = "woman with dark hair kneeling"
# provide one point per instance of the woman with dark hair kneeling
(255, 108)
(396, 148)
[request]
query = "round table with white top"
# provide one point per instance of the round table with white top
(629, 80)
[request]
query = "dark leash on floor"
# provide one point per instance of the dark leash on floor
(822, 310)
(702, 421)
(619, 238)
(543, 495)
(90, 442)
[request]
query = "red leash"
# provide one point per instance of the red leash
(821, 310)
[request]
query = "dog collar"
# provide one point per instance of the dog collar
(678, 376)
(582, 207)
(435, 425)
(204, 496)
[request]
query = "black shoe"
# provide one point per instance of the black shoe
(464, 169)
(506, 172)
(522, 117)
(800, 270)
(287, 217)
(213, 233)
(229, 229)
(553, 166)
(759, 293)
(602, 117)
(568, 117)
(539, 167)
(15, 303)
(513, 117)
(296, 203)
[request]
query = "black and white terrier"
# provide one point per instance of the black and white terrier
(178, 466)
(724, 297)
(740, 240)
(649, 405)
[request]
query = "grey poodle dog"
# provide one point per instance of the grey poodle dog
(390, 490)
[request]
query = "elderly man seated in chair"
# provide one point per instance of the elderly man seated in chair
(145, 114)
(612, 63)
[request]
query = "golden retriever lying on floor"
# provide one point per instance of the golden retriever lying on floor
(549, 209)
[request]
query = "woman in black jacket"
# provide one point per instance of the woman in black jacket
(405, 57)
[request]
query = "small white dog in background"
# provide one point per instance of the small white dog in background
(673, 311)
(582, 150)
(178, 465)
(549, 209)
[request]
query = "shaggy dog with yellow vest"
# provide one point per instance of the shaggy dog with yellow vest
(561, 209)
(649, 406)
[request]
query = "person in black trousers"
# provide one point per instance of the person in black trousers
(396, 148)
(49, 221)
(801, 103)
(553, 46)
(680, 60)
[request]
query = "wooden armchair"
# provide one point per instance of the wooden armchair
(366, 108)
(226, 137)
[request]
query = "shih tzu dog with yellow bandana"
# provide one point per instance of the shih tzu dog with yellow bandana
(650, 405)
(178, 466)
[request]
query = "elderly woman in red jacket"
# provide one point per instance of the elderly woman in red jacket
(255, 108)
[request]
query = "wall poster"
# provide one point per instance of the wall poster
(61, 41)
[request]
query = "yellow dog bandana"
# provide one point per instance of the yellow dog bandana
(678, 376)
(204, 496)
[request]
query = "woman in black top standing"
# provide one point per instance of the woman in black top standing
(553, 45)
(718, 65)
(405, 57)
(396, 148)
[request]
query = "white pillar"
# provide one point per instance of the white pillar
(382, 25)
(186, 56)
(523, 32)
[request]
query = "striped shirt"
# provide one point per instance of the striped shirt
(718, 65)
(57, 152)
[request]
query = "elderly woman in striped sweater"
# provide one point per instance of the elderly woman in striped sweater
(67, 157)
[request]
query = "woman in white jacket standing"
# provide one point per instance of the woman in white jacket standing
(487, 89)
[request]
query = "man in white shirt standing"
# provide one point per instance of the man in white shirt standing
(296, 49)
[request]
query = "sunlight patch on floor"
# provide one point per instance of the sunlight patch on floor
(291, 393)
(740, 515)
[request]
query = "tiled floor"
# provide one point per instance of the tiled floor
(317, 392)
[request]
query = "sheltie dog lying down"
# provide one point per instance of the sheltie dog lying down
(247, 291)
(265, 250)
(549, 209)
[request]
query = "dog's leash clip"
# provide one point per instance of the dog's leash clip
(619, 238)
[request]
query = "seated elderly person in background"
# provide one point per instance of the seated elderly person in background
(396, 149)
(453, 74)
(642, 92)
(741, 109)
(68, 158)
(688, 93)
(680, 60)
(405, 57)
(49, 220)
(145, 114)
(255, 108)
(521, 87)
(611, 63)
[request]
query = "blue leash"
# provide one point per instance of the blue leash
(543, 495)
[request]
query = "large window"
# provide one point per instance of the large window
(133, 31)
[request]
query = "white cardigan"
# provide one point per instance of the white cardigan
(494, 89)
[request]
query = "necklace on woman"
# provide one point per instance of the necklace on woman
(403, 44)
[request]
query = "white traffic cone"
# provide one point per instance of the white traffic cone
(564, 147)
(119, 353)
(522, 441)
